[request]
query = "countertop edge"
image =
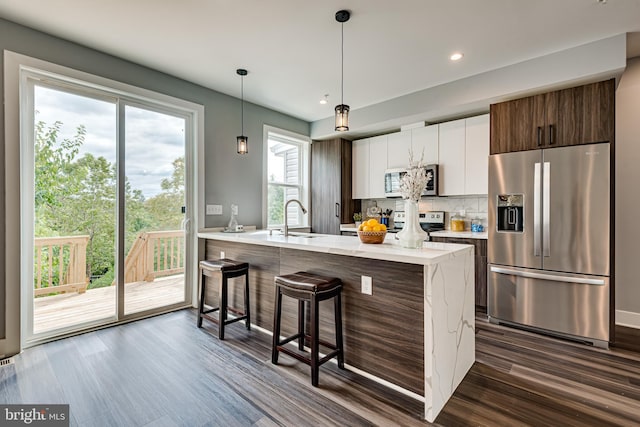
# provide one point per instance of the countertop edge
(431, 253)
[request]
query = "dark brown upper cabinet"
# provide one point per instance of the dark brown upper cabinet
(587, 114)
(579, 115)
(331, 202)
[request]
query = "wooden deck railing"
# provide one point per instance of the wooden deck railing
(155, 254)
(60, 264)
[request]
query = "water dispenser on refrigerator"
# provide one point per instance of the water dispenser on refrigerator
(510, 214)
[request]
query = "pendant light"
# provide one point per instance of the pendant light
(243, 141)
(342, 110)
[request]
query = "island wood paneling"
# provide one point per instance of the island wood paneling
(383, 332)
(264, 265)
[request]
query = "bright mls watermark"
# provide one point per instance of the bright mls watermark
(34, 415)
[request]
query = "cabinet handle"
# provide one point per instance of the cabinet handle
(550, 134)
(337, 210)
(539, 136)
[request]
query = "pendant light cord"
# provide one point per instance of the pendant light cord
(242, 103)
(342, 65)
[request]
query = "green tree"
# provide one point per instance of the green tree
(275, 201)
(53, 159)
(165, 209)
(77, 196)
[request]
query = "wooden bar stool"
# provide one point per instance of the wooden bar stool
(228, 268)
(303, 287)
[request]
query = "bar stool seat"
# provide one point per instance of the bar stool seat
(227, 268)
(311, 288)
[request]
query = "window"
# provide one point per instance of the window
(287, 177)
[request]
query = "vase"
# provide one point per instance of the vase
(412, 235)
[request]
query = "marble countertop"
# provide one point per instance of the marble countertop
(389, 250)
(460, 234)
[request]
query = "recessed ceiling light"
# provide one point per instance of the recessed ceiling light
(456, 56)
(325, 100)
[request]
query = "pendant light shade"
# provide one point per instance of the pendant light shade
(342, 110)
(243, 144)
(242, 140)
(342, 117)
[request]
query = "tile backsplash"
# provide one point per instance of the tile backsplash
(473, 207)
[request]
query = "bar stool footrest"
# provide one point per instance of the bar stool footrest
(289, 339)
(210, 310)
(295, 355)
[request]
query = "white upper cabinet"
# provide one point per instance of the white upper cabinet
(377, 166)
(451, 151)
(477, 155)
(424, 140)
(360, 169)
(398, 145)
(459, 147)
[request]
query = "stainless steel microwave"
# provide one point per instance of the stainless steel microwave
(392, 179)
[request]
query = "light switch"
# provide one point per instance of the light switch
(367, 287)
(214, 209)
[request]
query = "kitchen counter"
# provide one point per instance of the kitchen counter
(461, 234)
(389, 250)
(415, 330)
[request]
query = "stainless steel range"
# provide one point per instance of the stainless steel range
(429, 221)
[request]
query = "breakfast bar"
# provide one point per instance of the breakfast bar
(413, 329)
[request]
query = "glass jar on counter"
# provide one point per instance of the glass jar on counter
(476, 225)
(456, 223)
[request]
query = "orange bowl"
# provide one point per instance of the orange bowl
(374, 237)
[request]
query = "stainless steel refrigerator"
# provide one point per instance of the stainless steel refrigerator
(549, 241)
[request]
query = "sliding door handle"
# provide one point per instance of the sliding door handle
(337, 210)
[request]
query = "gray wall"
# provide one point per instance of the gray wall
(229, 177)
(627, 177)
(472, 95)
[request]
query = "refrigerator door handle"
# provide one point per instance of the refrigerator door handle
(544, 276)
(536, 209)
(546, 188)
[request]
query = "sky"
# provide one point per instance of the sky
(152, 140)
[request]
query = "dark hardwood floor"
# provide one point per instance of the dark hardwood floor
(164, 371)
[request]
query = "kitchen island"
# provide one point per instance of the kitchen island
(415, 332)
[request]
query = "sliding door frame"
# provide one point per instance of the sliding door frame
(20, 68)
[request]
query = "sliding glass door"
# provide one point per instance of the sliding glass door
(106, 185)
(154, 209)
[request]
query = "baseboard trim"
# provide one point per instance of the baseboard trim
(628, 319)
(360, 372)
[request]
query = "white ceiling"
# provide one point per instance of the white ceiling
(292, 48)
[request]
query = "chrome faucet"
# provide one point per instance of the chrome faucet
(286, 205)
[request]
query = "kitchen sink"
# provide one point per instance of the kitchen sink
(305, 235)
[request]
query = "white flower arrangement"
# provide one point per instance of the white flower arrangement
(414, 181)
